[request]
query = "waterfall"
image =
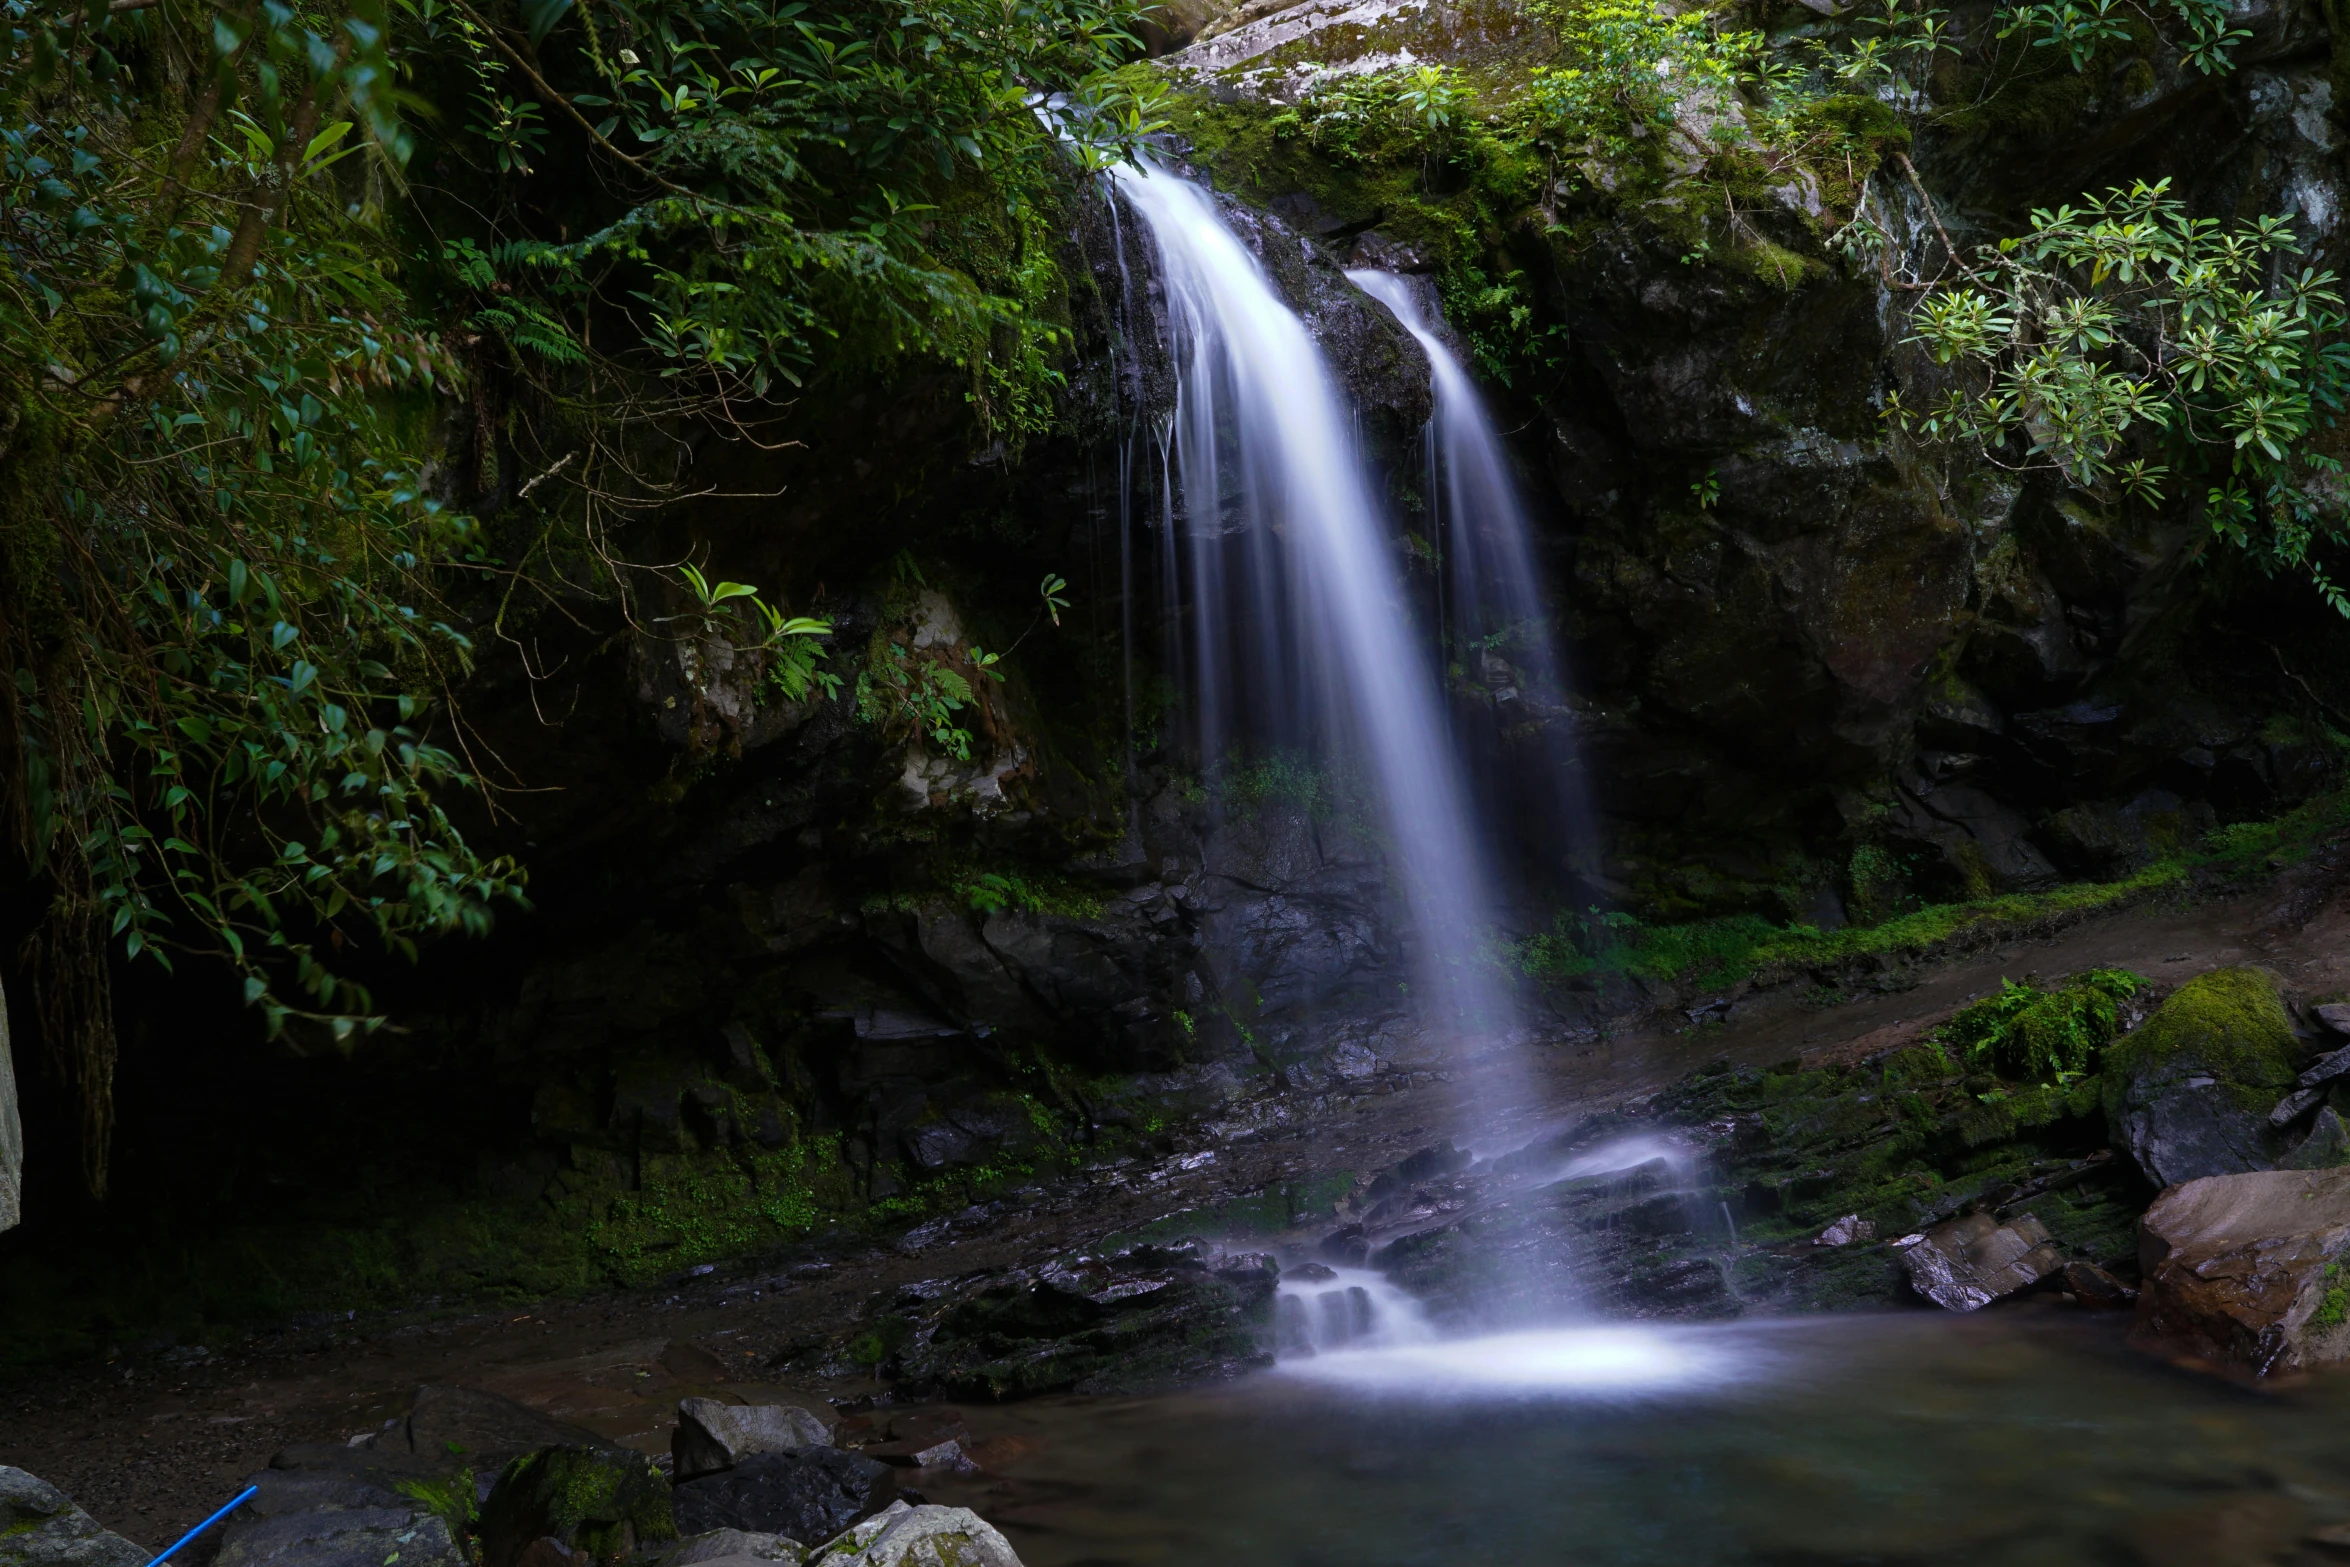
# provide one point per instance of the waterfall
(1498, 633)
(1301, 633)
(1318, 1308)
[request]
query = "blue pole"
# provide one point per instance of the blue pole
(243, 1497)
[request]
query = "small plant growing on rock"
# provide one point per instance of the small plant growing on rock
(2033, 1034)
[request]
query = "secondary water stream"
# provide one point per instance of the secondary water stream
(1493, 623)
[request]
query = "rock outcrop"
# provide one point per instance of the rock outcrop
(2247, 1271)
(1146, 1318)
(2189, 1093)
(41, 1527)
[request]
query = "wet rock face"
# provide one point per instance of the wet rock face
(2189, 1093)
(2248, 1271)
(1148, 1318)
(41, 1527)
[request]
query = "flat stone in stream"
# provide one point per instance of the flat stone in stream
(2248, 1271)
(811, 1493)
(1964, 1264)
(41, 1527)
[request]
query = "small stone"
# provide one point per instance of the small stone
(947, 1455)
(2294, 1106)
(711, 1436)
(1852, 1227)
(1965, 1264)
(2326, 1068)
(2336, 1016)
(1311, 1273)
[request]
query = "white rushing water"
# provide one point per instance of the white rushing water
(1300, 628)
(1320, 1310)
(1495, 624)
(1607, 1362)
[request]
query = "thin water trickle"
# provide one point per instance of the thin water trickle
(1494, 625)
(1300, 629)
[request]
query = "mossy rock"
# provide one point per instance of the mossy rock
(2189, 1093)
(606, 1501)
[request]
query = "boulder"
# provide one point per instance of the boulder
(340, 1503)
(486, 1430)
(2189, 1093)
(735, 1548)
(711, 1436)
(905, 1536)
(11, 1134)
(40, 1527)
(343, 1537)
(1966, 1263)
(2247, 1270)
(811, 1493)
(605, 1501)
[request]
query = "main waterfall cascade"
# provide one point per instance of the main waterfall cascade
(1299, 628)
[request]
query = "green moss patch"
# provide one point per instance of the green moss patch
(2230, 1022)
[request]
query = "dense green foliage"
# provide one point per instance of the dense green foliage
(291, 290)
(2127, 345)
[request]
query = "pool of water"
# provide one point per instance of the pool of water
(2022, 1436)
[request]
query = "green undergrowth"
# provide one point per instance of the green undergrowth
(2034, 1034)
(1595, 947)
(1906, 1141)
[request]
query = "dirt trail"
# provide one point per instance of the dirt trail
(151, 1446)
